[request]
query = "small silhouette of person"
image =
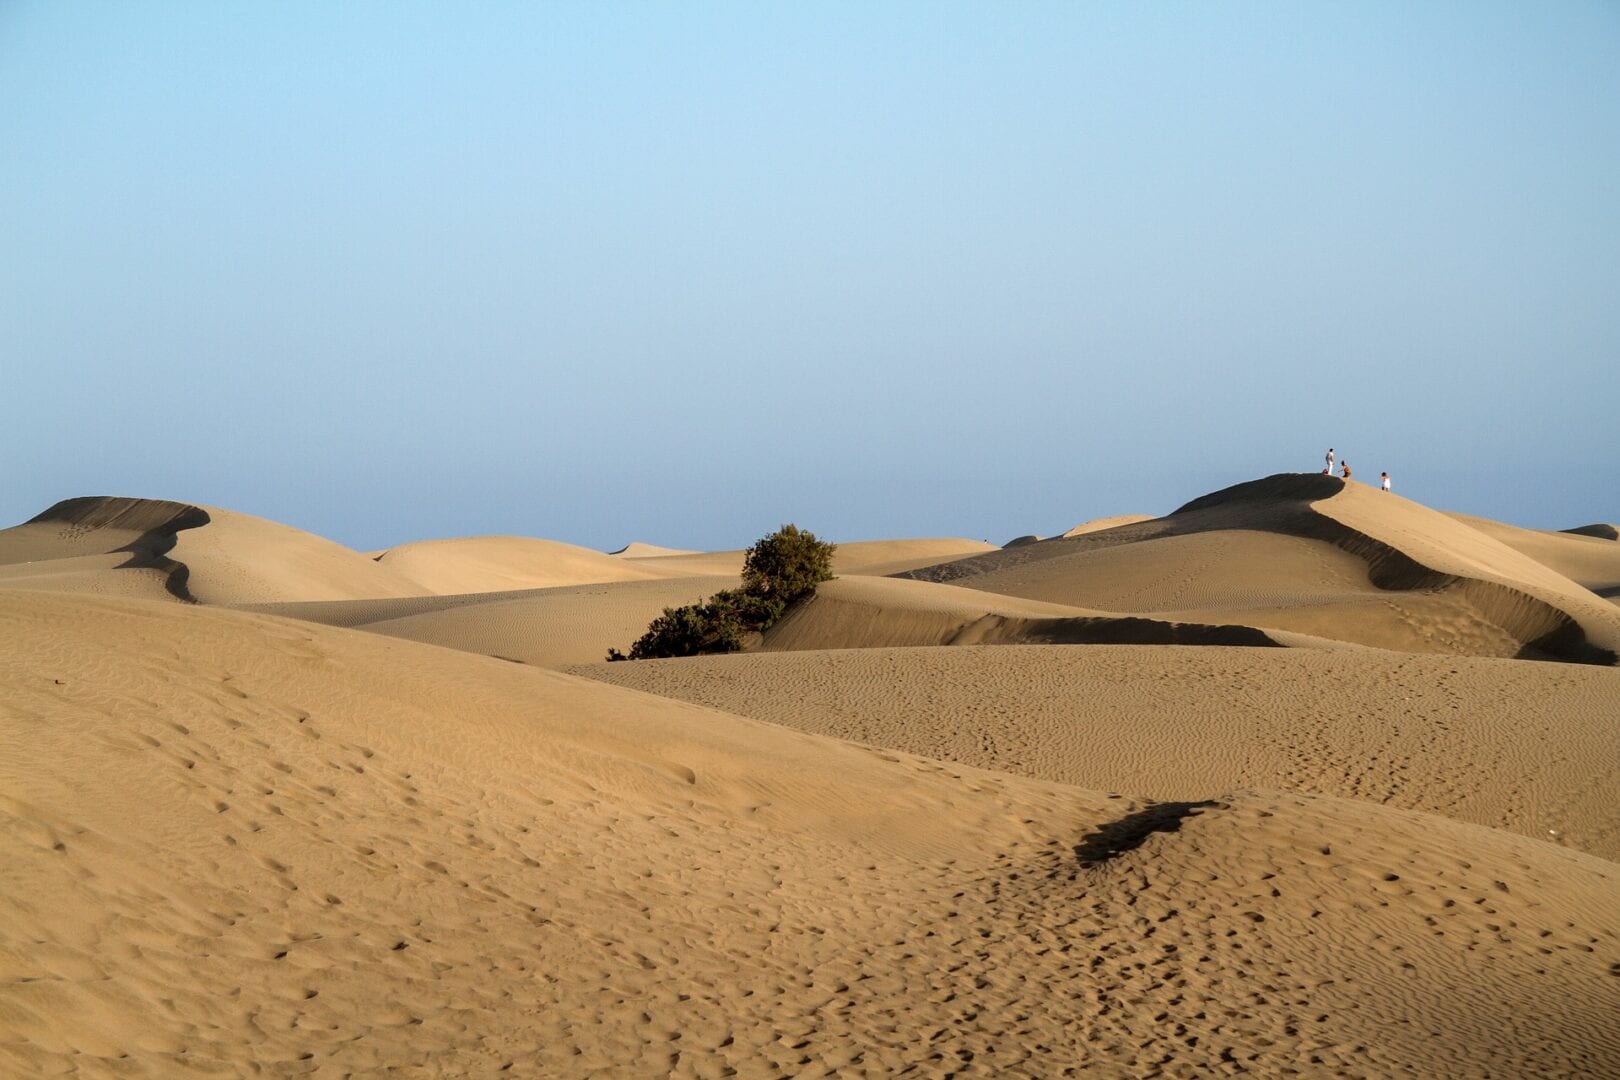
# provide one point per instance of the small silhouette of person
(1329, 469)
(1383, 481)
(1344, 466)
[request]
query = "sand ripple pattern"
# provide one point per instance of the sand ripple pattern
(238, 843)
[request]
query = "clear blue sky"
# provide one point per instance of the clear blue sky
(682, 272)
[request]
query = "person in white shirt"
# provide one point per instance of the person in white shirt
(1329, 469)
(1383, 481)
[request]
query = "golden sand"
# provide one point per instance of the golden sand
(1303, 779)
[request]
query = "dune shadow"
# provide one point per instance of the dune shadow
(156, 521)
(1134, 630)
(1131, 831)
(1285, 504)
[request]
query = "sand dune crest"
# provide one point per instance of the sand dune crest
(1356, 564)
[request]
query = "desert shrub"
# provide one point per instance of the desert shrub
(752, 610)
(778, 570)
(787, 565)
(693, 630)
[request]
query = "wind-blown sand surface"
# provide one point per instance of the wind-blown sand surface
(1530, 748)
(304, 848)
(1342, 560)
(215, 556)
(504, 563)
(1591, 561)
(552, 627)
(248, 826)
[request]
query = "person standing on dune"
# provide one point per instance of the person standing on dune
(1329, 469)
(1383, 481)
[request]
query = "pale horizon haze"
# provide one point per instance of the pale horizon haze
(681, 273)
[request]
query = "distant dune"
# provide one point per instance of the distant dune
(191, 552)
(880, 557)
(860, 612)
(551, 627)
(1317, 556)
(857, 557)
(1300, 779)
(502, 563)
(101, 545)
(1588, 559)
(1103, 524)
(637, 550)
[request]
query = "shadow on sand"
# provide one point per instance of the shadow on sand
(1132, 830)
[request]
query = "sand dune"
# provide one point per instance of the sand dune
(1314, 555)
(504, 563)
(1590, 561)
(558, 626)
(881, 557)
(863, 612)
(202, 553)
(100, 545)
(301, 826)
(637, 550)
(552, 627)
(546, 627)
(856, 557)
(241, 559)
(1529, 748)
(238, 842)
(1103, 524)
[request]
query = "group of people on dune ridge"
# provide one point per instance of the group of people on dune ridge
(1344, 471)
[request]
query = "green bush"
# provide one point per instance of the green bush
(779, 570)
(693, 630)
(787, 565)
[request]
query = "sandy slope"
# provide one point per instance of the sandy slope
(150, 547)
(1407, 543)
(546, 627)
(99, 545)
(1103, 524)
(879, 557)
(1321, 557)
(854, 557)
(1590, 561)
(864, 612)
(553, 627)
(638, 550)
(569, 625)
(232, 841)
(153, 548)
(1534, 748)
(503, 563)
(241, 559)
